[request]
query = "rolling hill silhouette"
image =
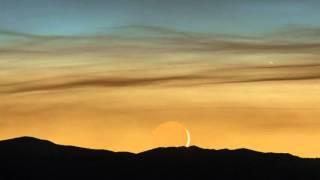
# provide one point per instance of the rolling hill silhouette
(31, 158)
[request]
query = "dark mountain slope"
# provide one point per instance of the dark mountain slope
(31, 158)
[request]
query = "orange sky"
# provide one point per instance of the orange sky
(113, 93)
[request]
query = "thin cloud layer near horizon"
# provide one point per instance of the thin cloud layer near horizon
(106, 74)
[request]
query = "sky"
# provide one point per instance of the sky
(107, 74)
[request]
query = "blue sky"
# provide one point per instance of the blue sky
(70, 17)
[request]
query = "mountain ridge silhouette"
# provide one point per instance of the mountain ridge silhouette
(32, 158)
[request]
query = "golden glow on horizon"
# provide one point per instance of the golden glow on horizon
(231, 117)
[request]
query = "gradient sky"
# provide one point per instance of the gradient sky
(105, 74)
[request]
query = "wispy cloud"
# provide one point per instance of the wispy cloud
(209, 77)
(159, 38)
(148, 43)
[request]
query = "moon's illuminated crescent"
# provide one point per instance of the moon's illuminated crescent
(188, 138)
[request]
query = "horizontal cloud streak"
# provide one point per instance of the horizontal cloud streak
(209, 77)
(164, 39)
(171, 57)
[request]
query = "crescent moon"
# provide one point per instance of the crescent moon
(188, 138)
